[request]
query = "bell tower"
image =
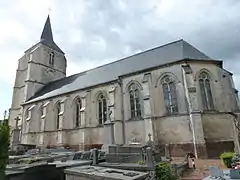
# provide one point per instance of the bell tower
(42, 63)
(46, 62)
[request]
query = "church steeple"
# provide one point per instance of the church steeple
(47, 31)
(47, 36)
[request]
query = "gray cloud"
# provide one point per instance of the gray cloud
(94, 32)
(112, 29)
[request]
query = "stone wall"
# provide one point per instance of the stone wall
(166, 129)
(218, 133)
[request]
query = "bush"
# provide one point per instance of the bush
(165, 171)
(235, 159)
(227, 157)
(4, 143)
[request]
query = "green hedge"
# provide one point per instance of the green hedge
(226, 157)
(164, 171)
(4, 147)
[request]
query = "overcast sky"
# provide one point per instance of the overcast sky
(94, 32)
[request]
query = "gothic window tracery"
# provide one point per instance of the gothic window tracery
(170, 95)
(134, 98)
(206, 92)
(102, 108)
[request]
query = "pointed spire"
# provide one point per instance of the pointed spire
(47, 36)
(47, 31)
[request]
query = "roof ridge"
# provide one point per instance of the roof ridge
(124, 58)
(154, 57)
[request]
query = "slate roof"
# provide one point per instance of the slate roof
(47, 38)
(175, 51)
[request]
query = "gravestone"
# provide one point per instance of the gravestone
(16, 134)
(108, 131)
(95, 156)
(150, 143)
(124, 153)
(36, 172)
(149, 158)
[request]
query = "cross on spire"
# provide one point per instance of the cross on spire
(49, 10)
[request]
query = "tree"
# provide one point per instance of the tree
(4, 143)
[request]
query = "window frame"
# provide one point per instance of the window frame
(135, 101)
(205, 88)
(101, 101)
(58, 114)
(77, 112)
(170, 99)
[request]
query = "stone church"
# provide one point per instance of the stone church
(174, 94)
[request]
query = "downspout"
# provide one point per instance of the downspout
(190, 112)
(122, 109)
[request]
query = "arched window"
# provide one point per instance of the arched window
(102, 108)
(77, 109)
(169, 93)
(134, 97)
(206, 93)
(58, 108)
(51, 58)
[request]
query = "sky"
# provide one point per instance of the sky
(95, 32)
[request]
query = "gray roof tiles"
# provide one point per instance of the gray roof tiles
(175, 51)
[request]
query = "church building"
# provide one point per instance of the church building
(174, 94)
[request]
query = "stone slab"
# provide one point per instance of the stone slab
(71, 163)
(125, 166)
(125, 149)
(124, 157)
(97, 173)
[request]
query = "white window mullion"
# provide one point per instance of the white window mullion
(102, 112)
(135, 104)
(206, 93)
(170, 98)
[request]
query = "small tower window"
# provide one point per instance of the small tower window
(51, 58)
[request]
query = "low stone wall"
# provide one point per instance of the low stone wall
(214, 149)
(211, 149)
(180, 150)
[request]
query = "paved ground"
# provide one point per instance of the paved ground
(201, 170)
